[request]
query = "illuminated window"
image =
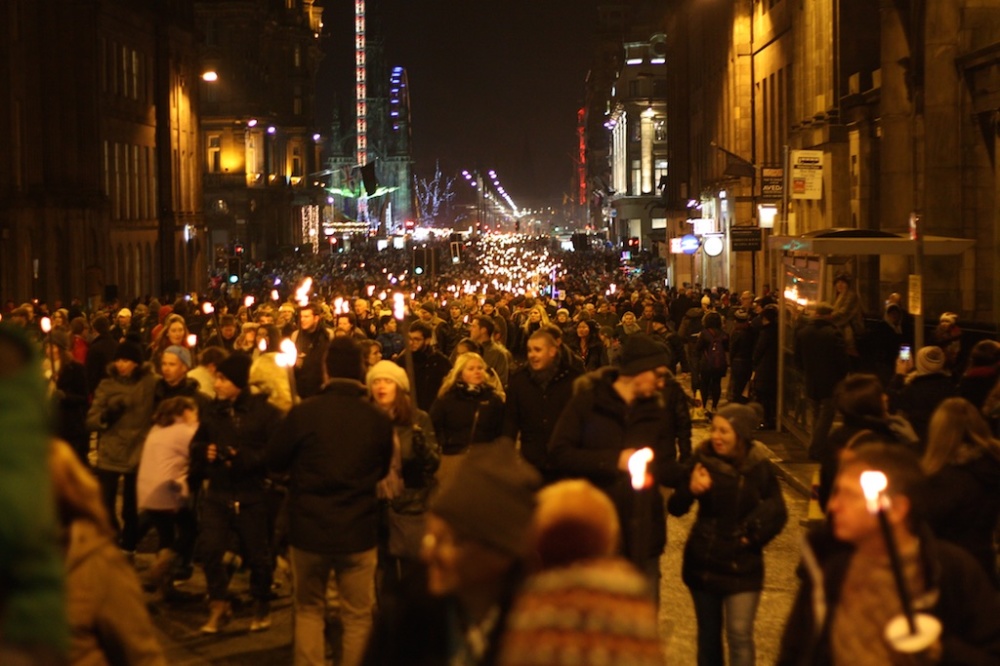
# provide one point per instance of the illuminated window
(296, 161)
(297, 57)
(214, 153)
(660, 129)
(636, 171)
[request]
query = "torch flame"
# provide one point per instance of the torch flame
(288, 355)
(274, 294)
(873, 483)
(302, 293)
(398, 306)
(192, 340)
(46, 324)
(207, 307)
(637, 464)
(248, 301)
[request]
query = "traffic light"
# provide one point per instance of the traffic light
(234, 270)
(238, 250)
(420, 263)
(456, 252)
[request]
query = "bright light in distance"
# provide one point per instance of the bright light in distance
(274, 294)
(271, 129)
(207, 307)
(248, 301)
(46, 324)
(252, 122)
(210, 76)
(316, 137)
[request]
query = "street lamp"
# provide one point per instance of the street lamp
(211, 76)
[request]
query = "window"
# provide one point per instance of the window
(135, 182)
(135, 74)
(214, 153)
(635, 88)
(296, 161)
(660, 129)
(659, 170)
(636, 176)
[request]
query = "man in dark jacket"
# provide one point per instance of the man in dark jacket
(311, 341)
(101, 351)
(537, 394)
(336, 446)
(228, 450)
(613, 413)
(848, 595)
(765, 364)
(430, 367)
(822, 357)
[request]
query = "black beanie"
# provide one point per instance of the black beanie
(343, 359)
(491, 498)
(640, 353)
(236, 368)
(130, 352)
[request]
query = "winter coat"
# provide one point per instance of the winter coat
(466, 415)
(957, 593)
(392, 344)
(821, 355)
(336, 446)
(678, 404)
(917, 396)
(533, 408)
(593, 430)
(704, 346)
(597, 355)
(741, 343)
(429, 370)
(162, 483)
(72, 404)
(765, 360)
(187, 388)
(105, 605)
(311, 348)
(691, 325)
(963, 507)
(420, 455)
(99, 355)
(121, 414)
(739, 515)
(246, 425)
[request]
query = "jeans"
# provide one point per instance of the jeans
(249, 521)
(355, 574)
(711, 387)
(177, 531)
(128, 528)
(739, 611)
(823, 414)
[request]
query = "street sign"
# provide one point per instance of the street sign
(689, 244)
(772, 183)
(807, 174)
(744, 239)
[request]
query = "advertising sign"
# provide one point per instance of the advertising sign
(772, 183)
(744, 239)
(807, 174)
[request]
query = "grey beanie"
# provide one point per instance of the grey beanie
(744, 419)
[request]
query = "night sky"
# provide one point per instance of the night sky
(493, 85)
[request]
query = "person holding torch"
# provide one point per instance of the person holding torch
(877, 587)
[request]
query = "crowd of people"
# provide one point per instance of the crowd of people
(442, 469)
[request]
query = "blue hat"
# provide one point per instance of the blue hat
(180, 352)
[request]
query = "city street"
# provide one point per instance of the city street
(178, 623)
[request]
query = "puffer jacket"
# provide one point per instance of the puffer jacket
(737, 517)
(122, 414)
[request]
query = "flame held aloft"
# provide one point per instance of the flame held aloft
(873, 483)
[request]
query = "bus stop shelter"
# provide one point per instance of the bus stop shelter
(807, 266)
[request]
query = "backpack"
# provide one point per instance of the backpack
(715, 356)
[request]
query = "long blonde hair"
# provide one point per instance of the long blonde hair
(543, 320)
(455, 375)
(957, 434)
(78, 495)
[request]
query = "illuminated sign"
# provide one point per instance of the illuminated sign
(714, 245)
(689, 244)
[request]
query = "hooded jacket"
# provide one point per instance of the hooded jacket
(739, 515)
(121, 414)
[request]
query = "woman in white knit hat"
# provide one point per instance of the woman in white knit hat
(420, 456)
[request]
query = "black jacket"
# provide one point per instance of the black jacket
(245, 424)
(744, 504)
(429, 369)
(71, 405)
(99, 354)
(765, 360)
(918, 397)
(312, 350)
(821, 355)
(593, 430)
(336, 446)
(962, 505)
(462, 417)
(958, 595)
(533, 408)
